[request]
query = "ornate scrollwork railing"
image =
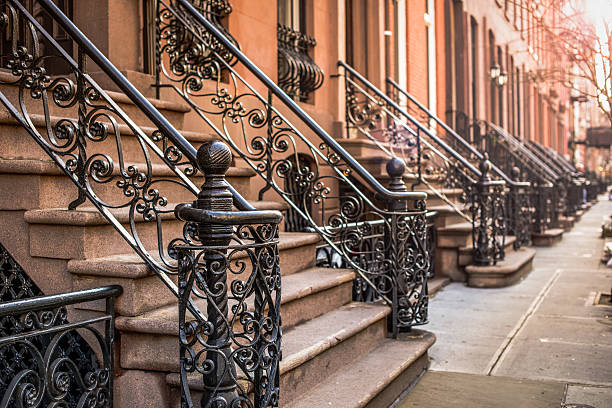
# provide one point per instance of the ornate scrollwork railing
(298, 75)
(550, 200)
(372, 114)
(314, 174)
(46, 361)
(466, 139)
(112, 161)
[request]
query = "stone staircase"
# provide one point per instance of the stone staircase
(453, 253)
(335, 351)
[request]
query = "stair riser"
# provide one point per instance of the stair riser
(17, 143)
(405, 381)
(447, 219)
(158, 351)
(305, 377)
(447, 264)
(93, 241)
(35, 106)
(57, 191)
(454, 240)
(139, 295)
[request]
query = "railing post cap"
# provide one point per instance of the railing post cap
(396, 167)
(214, 157)
(515, 173)
(485, 167)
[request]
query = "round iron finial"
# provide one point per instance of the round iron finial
(396, 167)
(214, 157)
(485, 166)
(515, 173)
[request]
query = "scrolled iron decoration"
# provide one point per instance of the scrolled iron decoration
(396, 133)
(298, 75)
(44, 360)
(309, 174)
(112, 161)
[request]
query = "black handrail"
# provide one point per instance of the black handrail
(299, 112)
(135, 96)
(59, 300)
(517, 143)
(439, 141)
(454, 134)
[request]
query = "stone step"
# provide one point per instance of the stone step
(149, 341)
(512, 269)
(49, 187)
(173, 111)
(85, 234)
(447, 215)
(373, 380)
(465, 253)
(436, 284)
(455, 235)
(17, 142)
(451, 194)
(548, 237)
(321, 348)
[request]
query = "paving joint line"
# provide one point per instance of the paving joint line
(501, 352)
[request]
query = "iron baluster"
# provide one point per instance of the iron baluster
(488, 232)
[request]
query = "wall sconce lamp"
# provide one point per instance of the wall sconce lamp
(498, 76)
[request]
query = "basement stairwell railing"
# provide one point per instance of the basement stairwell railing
(518, 203)
(316, 176)
(120, 168)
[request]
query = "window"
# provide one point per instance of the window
(298, 75)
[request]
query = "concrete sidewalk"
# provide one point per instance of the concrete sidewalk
(539, 343)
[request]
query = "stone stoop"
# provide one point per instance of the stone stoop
(516, 265)
(549, 237)
(567, 223)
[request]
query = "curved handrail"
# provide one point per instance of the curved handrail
(130, 90)
(60, 299)
(299, 112)
(454, 134)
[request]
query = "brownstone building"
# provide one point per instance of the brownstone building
(367, 124)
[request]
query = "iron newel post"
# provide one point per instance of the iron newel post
(220, 390)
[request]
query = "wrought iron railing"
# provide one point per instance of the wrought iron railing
(549, 196)
(111, 160)
(298, 75)
(374, 115)
(45, 358)
(313, 174)
(519, 190)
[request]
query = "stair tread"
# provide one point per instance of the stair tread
(48, 167)
(86, 215)
(131, 266)
(510, 239)
(512, 262)
(359, 383)
(459, 227)
(309, 339)
(314, 336)
(164, 320)
(552, 232)
(434, 285)
(442, 208)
